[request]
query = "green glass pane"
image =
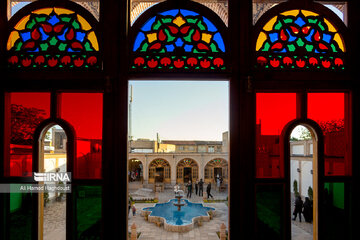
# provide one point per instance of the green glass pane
(278, 26)
(191, 20)
(88, 47)
(76, 25)
(300, 42)
(41, 19)
(20, 219)
(309, 48)
(53, 41)
(320, 24)
(213, 47)
(65, 19)
(188, 37)
(288, 20)
(167, 20)
(144, 47)
(88, 212)
(336, 211)
(201, 25)
(30, 24)
(170, 38)
(44, 46)
(266, 47)
(62, 46)
(269, 211)
(334, 48)
(312, 20)
(157, 25)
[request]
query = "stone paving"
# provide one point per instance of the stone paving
(149, 231)
(55, 221)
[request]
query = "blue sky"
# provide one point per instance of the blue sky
(180, 110)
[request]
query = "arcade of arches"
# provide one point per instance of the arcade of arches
(171, 169)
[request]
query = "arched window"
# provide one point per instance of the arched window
(300, 37)
(46, 35)
(189, 37)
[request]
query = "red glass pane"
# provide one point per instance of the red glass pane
(328, 110)
(84, 111)
(23, 114)
(273, 112)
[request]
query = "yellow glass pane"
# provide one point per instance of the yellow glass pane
(291, 13)
(206, 37)
(339, 41)
(260, 41)
(22, 23)
(330, 26)
(179, 21)
(84, 24)
(93, 39)
(14, 35)
(60, 11)
(269, 25)
(46, 11)
(309, 13)
(151, 37)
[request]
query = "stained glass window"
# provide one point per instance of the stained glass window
(179, 39)
(273, 112)
(24, 113)
(53, 38)
(328, 110)
(300, 39)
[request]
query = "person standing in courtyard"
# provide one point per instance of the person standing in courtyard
(189, 188)
(208, 191)
(201, 187)
(298, 208)
(196, 187)
(308, 210)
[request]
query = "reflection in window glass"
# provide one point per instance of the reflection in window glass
(328, 110)
(273, 112)
(24, 113)
(84, 111)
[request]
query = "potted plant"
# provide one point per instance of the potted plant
(46, 198)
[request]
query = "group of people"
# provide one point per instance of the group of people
(304, 208)
(199, 189)
(133, 175)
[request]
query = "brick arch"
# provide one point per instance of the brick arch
(159, 171)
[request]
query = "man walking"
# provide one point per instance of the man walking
(208, 191)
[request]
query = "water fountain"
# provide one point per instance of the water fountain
(178, 196)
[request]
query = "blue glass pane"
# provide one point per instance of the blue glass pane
(138, 40)
(220, 42)
(211, 27)
(179, 42)
(300, 22)
(44, 36)
(327, 37)
(62, 37)
(188, 48)
(25, 36)
(274, 37)
(188, 13)
(310, 35)
(80, 36)
(172, 12)
(291, 37)
(53, 20)
(170, 48)
(147, 26)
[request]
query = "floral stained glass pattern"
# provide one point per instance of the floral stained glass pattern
(178, 39)
(53, 38)
(300, 39)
